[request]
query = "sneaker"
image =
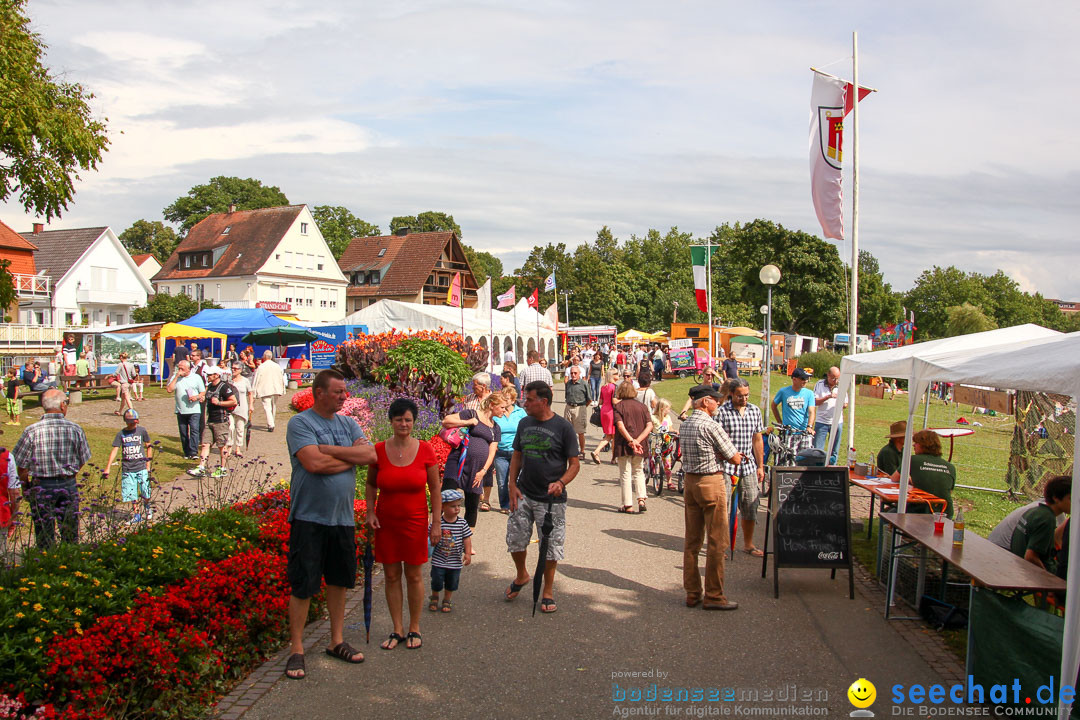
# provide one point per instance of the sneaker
(219, 472)
(199, 471)
(149, 515)
(135, 519)
(193, 458)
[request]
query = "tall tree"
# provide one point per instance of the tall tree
(878, 304)
(339, 226)
(216, 196)
(484, 265)
(965, 319)
(429, 221)
(150, 236)
(938, 289)
(810, 298)
(170, 308)
(48, 133)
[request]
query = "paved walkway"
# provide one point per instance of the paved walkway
(620, 612)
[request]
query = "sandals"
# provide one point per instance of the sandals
(447, 606)
(547, 605)
(595, 457)
(296, 662)
(514, 589)
(433, 603)
(627, 509)
(485, 507)
(641, 506)
(394, 638)
(413, 636)
(345, 652)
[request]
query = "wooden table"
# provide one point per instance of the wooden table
(986, 563)
(888, 492)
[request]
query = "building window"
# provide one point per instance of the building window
(219, 291)
(333, 303)
(359, 278)
(430, 279)
(310, 262)
(187, 261)
(226, 230)
(444, 281)
(200, 292)
(382, 252)
(69, 318)
(303, 228)
(374, 278)
(319, 266)
(277, 256)
(288, 259)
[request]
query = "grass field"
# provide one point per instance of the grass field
(980, 459)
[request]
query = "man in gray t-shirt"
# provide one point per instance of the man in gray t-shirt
(324, 449)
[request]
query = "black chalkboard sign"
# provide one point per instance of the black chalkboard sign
(810, 519)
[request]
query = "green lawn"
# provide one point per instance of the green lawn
(980, 459)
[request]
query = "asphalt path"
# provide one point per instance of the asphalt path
(621, 626)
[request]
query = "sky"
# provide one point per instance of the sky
(544, 121)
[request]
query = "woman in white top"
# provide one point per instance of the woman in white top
(645, 394)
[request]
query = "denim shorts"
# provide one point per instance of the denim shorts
(134, 485)
(444, 577)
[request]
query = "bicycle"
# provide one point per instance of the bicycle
(784, 445)
(664, 452)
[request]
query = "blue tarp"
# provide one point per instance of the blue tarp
(236, 324)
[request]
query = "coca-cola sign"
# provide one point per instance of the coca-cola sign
(274, 306)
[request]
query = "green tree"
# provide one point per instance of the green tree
(429, 221)
(216, 196)
(154, 237)
(170, 308)
(339, 226)
(48, 134)
(965, 319)
(878, 304)
(484, 265)
(7, 290)
(938, 289)
(810, 297)
(540, 263)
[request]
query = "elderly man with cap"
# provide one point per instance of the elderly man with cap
(799, 409)
(890, 456)
(705, 447)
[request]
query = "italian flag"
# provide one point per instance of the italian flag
(697, 257)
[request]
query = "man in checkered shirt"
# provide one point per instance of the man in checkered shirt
(535, 371)
(743, 423)
(49, 455)
(705, 445)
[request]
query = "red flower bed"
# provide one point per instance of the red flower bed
(302, 400)
(172, 655)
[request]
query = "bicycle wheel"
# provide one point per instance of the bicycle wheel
(656, 474)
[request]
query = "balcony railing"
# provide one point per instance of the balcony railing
(108, 297)
(32, 286)
(15, 335)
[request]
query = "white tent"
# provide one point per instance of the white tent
(387, 315)
(900, 362)
(1050, 365)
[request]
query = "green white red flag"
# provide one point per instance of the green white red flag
(698, 257)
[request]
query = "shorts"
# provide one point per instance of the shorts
(320, 551)
(444, 577)
(529, 512)
(219, 432)
(578, 417)
(749, 497)
(14, 406)
(134, 485)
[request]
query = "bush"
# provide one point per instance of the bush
(820, 361)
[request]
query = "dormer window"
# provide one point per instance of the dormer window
(374, 278)
(226, 230)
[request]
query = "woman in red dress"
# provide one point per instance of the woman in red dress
(607, 414)
(397, 502)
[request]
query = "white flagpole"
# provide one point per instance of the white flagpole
(853, 347)
(495, 354)
(708, 293)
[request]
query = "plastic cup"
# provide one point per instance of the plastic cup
(939, 525)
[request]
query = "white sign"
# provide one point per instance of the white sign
(680, 343)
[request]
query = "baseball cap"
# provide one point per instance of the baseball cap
(800, 374)
(215, 370)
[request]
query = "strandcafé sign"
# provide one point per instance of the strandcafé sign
(274, 306)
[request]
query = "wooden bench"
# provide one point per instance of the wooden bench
(296, 375)
(97, 382)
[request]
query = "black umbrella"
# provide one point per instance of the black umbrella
(541, 563)
(369, 563)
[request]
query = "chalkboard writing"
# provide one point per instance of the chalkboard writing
(809, 512)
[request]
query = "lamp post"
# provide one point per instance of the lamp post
(675, 312)
(769, 276)
(567, 294)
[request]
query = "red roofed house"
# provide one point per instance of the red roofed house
(410, 267)
(30, 288)
(273, 258)
(147, 264)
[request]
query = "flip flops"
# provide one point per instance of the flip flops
(514, 589)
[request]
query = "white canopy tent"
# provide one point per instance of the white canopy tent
(387, 315)
(1047, 365)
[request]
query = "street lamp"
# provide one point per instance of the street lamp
(769, 276)
(675, 312)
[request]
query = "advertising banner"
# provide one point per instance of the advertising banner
(136, 345)
(323, 352)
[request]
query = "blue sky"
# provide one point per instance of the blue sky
(543, 121)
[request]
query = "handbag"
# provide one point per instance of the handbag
(594, 419)
(452, 436)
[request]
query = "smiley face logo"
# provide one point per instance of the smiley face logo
(862, 693)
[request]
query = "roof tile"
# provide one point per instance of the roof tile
(58, 250)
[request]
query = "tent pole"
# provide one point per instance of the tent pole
(854, 322)
(926, 407)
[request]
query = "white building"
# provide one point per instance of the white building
(148, 265)
(94, 280)
(273, 258)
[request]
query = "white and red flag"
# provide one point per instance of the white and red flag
(534, 299)
(830, 101)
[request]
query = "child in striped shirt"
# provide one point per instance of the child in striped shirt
(453, 551)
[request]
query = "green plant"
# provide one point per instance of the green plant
(820, 361)
(425, 369)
